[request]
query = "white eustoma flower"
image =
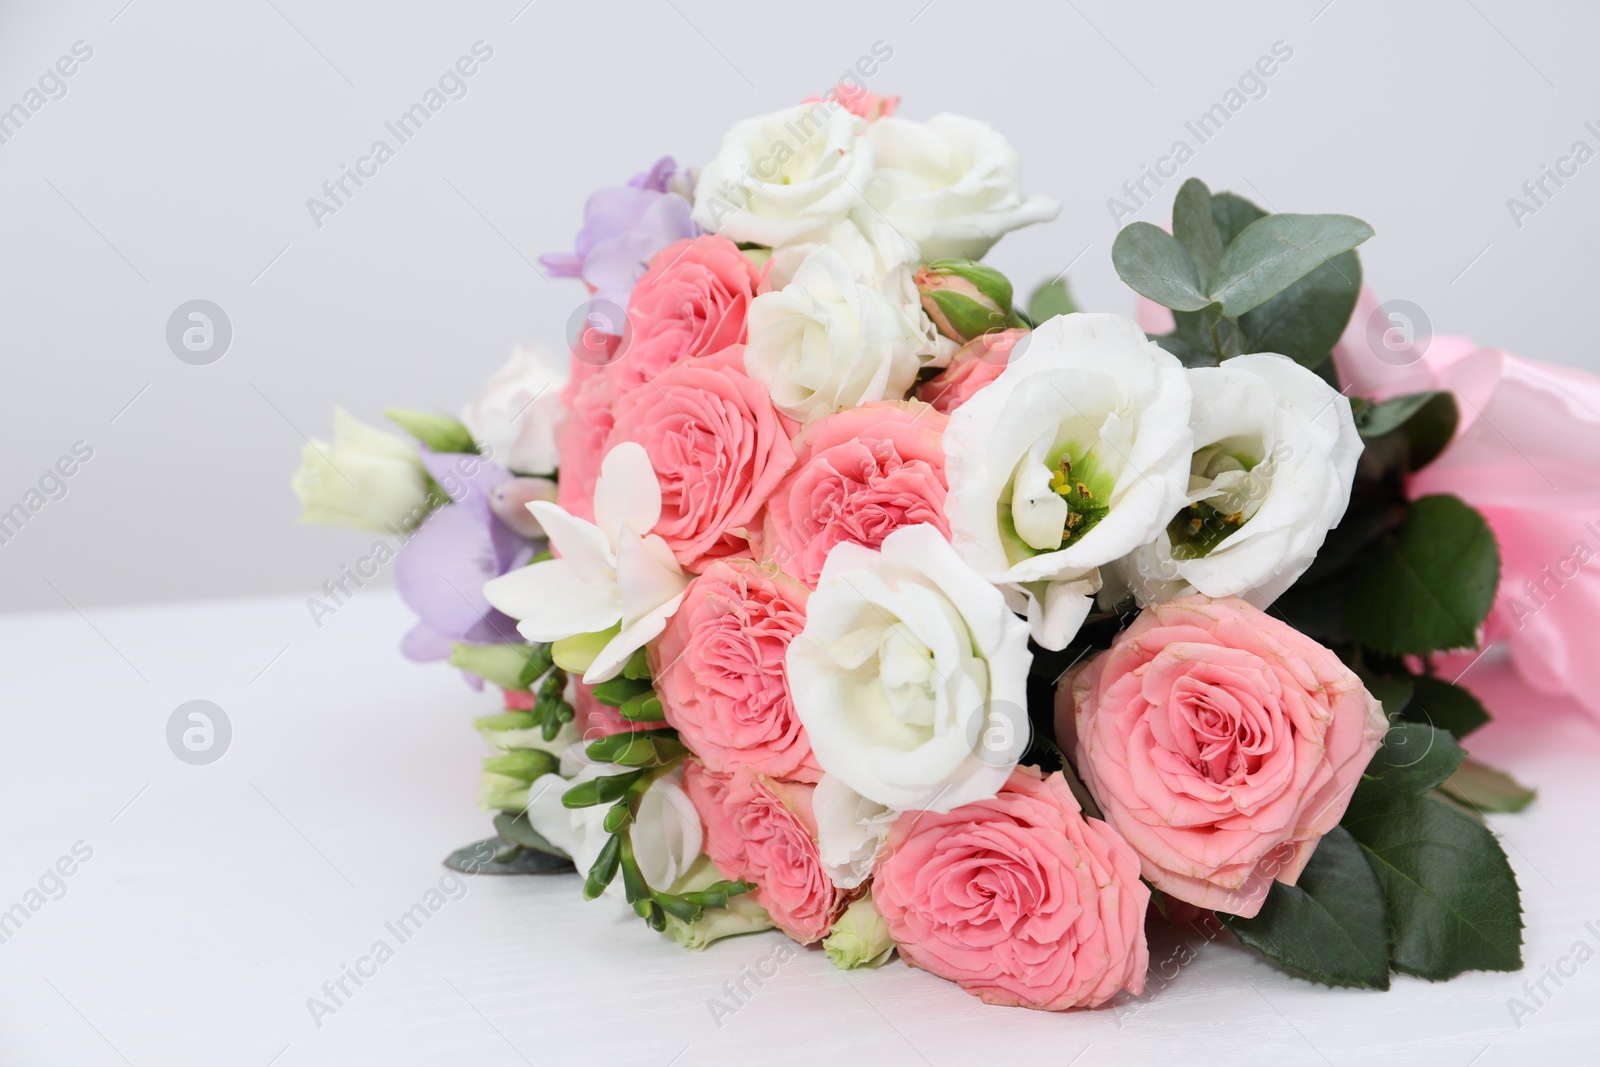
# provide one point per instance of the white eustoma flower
(1275, 454)
(667, 836)
(365, 478)
(950, 184)
(786, 176)
(611, 572)
(826, 341)
(1075, 456)
(519, 412)
(910, 676)
(851, 831)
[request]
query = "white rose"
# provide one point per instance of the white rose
(826, 341)
(1075, 456)
(666, 834)
(519, 411)
(950, 184)
(1275, 453)
(851, 831)
(786, 176)
(365, 478)
(911, 674)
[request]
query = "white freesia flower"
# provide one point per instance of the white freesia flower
(519, 411)
(786, 176)
(909, 667)
(850, 831)
(611, 572)
(365, 478)
(950, 184)
(1275, 453)
(1075, 456)
(667, 835)
(827, 342)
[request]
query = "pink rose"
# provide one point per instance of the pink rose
(719, 671)
(1222, 743)
(581, 444)
(691, 302)
(859, 475)
(978, 363)
(1527, 455)
(718, 449)
(1019, 899)
(762, 831)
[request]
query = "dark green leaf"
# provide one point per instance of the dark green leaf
(1449, 707)
(1273, 253)
(1375, 420)
(1155, 265)
(1049, 300)
(504, 859)
(1430, 586)
(1330, 926)
(1414, 758)
(1190, 355)
(1196, 229)
(519, 831)
(1315, 610)
(1451, 896)
(1306, 320)
(1394, 693)
(1486, 789)
(1232, 213)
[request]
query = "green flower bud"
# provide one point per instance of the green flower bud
(441, 433)
(860, 937)
(509, 666)
(577, 653)
(966, 299)
(502, 792)
(742, 915)
(526, 764)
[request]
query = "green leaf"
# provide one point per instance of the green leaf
(519, 831)
(1414, 758)
(1430, 586)
(1451, 896)
(1155, 265)
(441, 433)
(1190, 355)
(1196, 229)
(1486, 789)
(1051, 299)
(1307, 319)
(493, 856)
(1375, 420)
(1331, 926)
(1408, 432)
(1232, 213)
(1394, 693)
(1273, 253)
(1449, 707)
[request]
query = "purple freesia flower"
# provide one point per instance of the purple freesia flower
(441, 570)
(623, 227)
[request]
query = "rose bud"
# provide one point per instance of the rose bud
(509, 501)
(966, 299)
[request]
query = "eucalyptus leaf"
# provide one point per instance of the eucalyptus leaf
(1051, 299)
(1196, 229)
(503, 859)
(1152, 262)
(1189, 354)
(519, 831)
(1430, 586)
(1273, 253)
(1232, 213)
(1331, 925)
(1307, 319)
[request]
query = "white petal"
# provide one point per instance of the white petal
(554, 599)
(627, 493)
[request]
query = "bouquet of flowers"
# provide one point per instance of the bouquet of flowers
(832, 589)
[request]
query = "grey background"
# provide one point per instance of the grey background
(178, 165)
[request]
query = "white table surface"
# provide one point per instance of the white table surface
(219, 898)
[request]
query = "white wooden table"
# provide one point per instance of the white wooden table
(219, 898)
